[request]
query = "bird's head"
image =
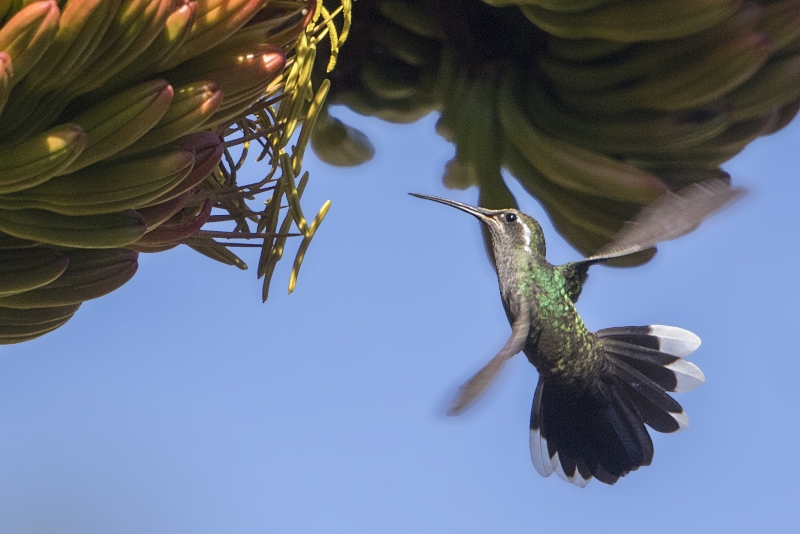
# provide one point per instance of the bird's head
(510, 229)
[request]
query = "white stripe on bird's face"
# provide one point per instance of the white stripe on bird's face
(526, 234)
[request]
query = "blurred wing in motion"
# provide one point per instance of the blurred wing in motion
(480, 381)
(671, 216)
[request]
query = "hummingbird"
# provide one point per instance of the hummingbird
(596, 390)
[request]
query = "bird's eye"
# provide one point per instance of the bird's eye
(510, 217)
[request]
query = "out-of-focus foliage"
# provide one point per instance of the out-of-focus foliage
(595, 107)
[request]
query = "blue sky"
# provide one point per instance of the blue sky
(181, 404)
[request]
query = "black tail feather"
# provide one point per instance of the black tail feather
(649, 396)
(596, 433)
(656, 351)
(598, 429)
(647, 361)
(629, 428)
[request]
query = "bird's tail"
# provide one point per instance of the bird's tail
(598, 430)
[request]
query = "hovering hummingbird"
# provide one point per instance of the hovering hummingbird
(596, 391)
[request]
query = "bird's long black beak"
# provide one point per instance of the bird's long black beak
(482, 214)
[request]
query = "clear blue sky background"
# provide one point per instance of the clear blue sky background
(181, 404)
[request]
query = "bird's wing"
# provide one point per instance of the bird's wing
(575, 273)
(480, 381)
(671, 216)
